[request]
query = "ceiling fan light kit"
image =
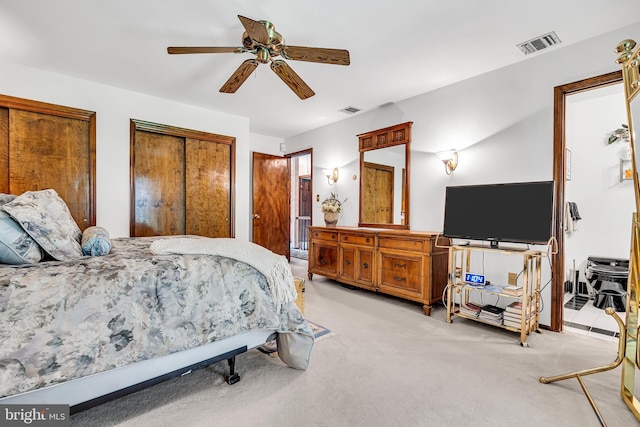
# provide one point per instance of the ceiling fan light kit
(261, 39)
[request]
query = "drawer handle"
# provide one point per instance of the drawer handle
(396, 264)
(346, 237)
(365, 265)
(368, 239)
(399, 279)
(348, 262)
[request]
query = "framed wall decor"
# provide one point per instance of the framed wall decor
(626, 170)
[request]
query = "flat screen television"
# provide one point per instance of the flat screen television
(514, 212)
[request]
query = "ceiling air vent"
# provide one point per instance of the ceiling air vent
(539, 43)
(350, 110)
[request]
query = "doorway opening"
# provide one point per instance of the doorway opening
(596, 243)
(301, 203)
(564, 170)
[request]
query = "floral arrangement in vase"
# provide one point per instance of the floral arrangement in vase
(331, 207)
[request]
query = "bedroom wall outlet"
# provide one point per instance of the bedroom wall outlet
(512, 278)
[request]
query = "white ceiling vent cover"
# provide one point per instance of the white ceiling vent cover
(350, 110)
(539, 43)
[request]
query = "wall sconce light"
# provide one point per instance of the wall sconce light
(450, 160)
(332, 175)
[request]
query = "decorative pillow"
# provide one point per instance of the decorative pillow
(46, 218)
(95, 241)
(16, 246)
(6, 198)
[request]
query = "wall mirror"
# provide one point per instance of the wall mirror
(629, 345)
(384, 177)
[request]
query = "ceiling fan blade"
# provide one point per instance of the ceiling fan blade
(239, 76)
(316, 54)
(256, 30)
(291, 79)
(204, 49)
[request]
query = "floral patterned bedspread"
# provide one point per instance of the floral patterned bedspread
(65, 320)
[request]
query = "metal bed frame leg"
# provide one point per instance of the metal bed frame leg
(579, 374)
(233, 376)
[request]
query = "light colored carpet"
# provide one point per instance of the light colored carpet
(388, 365)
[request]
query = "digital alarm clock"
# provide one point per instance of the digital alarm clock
(474, 279)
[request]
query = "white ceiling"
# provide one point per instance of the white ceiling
(399, 49)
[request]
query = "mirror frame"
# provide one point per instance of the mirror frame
(382, 138)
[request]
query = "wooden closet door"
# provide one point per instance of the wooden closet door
(208, 188)
(182, 181)
(159, 184)
(49, 151)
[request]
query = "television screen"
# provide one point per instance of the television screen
(514, 212)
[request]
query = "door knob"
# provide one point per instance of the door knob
(256, 216)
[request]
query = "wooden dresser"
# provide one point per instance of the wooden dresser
(403, 263)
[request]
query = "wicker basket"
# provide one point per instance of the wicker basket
(299, 283)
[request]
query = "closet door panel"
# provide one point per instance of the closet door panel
(159, 184)
(208, 188)
(48, 151)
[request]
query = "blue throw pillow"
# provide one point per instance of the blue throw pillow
(16, 246)
(95, 241)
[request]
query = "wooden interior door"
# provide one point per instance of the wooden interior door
(49, 146)
(304, 196)
(271, 202)
(377, 196)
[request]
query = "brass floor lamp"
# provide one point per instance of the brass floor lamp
(628, 349)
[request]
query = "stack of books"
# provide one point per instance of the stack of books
(513, 315)
(512, 290)
(491, 314)
(470, 309)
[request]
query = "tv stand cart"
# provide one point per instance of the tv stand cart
(459, 291)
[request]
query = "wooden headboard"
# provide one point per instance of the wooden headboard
(49, 146)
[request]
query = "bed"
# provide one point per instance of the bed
(81, 328)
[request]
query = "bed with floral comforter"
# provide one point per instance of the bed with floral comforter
(61, 320)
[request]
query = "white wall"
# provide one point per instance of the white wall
(265, 144)
(114, 108)
(500, 122)
(605, 204)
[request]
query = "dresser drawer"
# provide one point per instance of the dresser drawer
(401, 265)
(357, 239)
(331, 236)
(405, 244)
(398, 279)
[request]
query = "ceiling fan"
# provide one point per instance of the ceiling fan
(262, 40)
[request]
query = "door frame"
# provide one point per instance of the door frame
(559, 177)
(308, 151)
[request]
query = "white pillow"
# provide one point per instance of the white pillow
(46, 218)
(16, 246)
